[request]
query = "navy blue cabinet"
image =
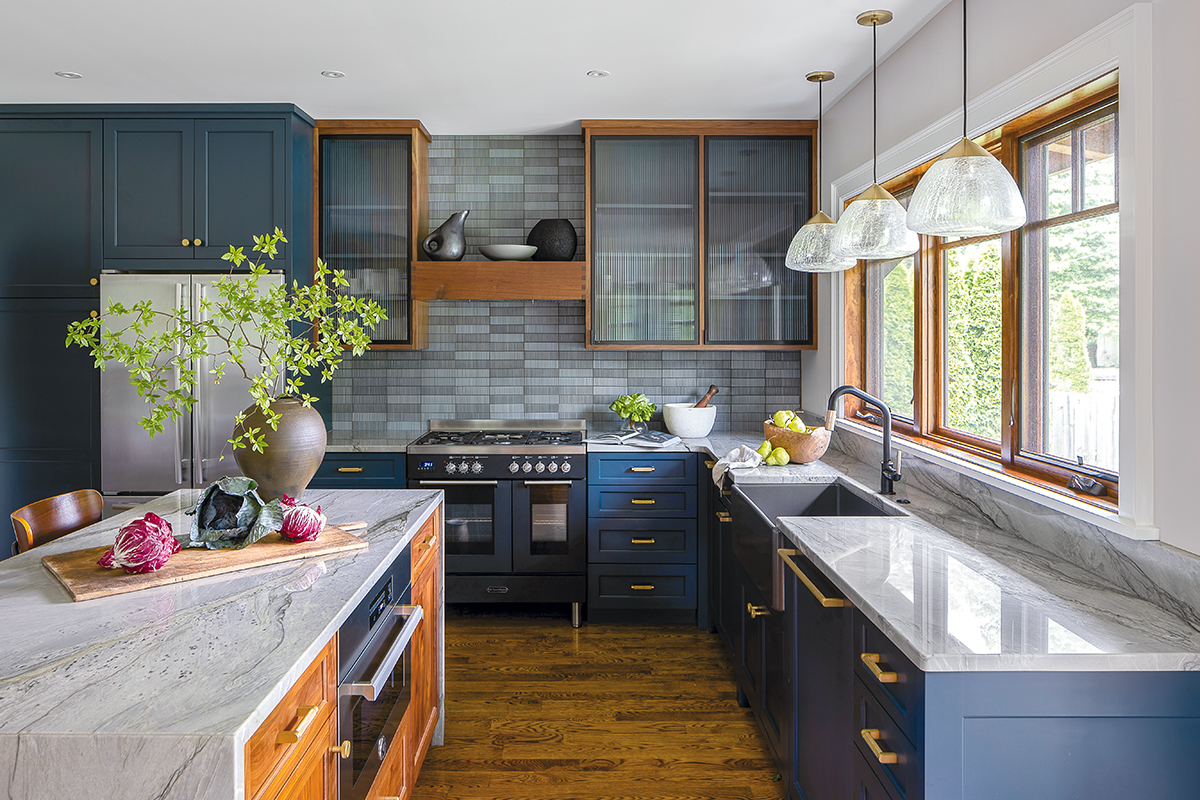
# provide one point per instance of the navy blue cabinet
(182, 188)
(360, 471)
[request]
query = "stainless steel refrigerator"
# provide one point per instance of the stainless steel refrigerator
(187, 454)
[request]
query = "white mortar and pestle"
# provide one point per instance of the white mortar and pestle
(688, 421)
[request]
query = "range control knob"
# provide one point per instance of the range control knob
(476, 467)
(451, 467)
(540, 466)
(566, 467)
(553, 467)
(527, 467)
(514, 467)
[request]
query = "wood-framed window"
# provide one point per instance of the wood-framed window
(1003, 349)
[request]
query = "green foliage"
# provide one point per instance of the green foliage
(899, 336)
(633, 406)
(1070, 369)
(275, 336)
(973, 313)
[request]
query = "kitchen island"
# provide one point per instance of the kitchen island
(154, 694)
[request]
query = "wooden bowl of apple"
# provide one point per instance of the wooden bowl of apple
(802, 444)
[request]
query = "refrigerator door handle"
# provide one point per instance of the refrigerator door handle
(178, 427)
(197, 444)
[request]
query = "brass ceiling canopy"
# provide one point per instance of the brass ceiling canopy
(877, 17)
(820, 76)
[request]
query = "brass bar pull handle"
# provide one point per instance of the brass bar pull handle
(870, 735)
(429, 543)
(643, 502)
(350, 469)
(757, 611)
(710, 464)
(306, 714)
(342, 749)
(872, 662)
(724, 516)
(641, 469)
(641, 541)
(642, 587)
(827, 602)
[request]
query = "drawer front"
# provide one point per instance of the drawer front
(516, 588)
(628, 501)
(359, 470)
(642, 541)
(899, 764)
(626, 586)
(641, 469)
(866, 784)
(293, 725)
(900, 686)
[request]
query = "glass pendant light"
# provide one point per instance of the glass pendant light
(966, 192)
(811, 249)
(874, 226)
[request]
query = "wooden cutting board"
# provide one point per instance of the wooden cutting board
(87, 580)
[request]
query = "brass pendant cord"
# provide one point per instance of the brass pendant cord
(964, 24)
(820, 137)
(874, 102)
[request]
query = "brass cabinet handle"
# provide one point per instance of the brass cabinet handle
(872, 662)
(350, 469)
(307, 714)
(429, 543)
(827, 602)
(196, 242)
(641, 541)
(869, 736)
(93, 281)
(186, 242)
(710, 464)
(93, 314)
(643, 502)
(642, 587)
(757, 611)
(641, 469)
(342, 749)
(724, 516)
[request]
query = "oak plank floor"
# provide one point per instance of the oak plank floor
(538, 710)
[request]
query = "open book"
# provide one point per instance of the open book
(636, 438)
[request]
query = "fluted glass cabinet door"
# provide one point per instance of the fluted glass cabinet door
(757, 195)
(366, 220)
(645, 239)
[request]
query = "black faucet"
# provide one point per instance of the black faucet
(889, 471)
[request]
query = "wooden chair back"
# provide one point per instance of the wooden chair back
(46, 520)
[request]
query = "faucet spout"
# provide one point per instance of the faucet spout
(889, 473)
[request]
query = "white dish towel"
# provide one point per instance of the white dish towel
(740, 457)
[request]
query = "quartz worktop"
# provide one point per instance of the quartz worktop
(152, 694)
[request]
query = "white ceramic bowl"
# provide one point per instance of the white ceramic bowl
(508, 252)
(688, 422)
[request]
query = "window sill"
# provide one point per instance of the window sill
(1062, 503)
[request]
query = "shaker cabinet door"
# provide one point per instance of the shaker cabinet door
(241, 184)
(149, 188)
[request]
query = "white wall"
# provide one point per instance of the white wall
(920, 83)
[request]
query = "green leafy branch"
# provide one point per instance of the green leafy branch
(275, 336)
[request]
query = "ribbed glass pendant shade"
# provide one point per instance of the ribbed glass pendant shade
(811, 249)
(966, 192)
(874, 227)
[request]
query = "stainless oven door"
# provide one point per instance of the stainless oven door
(478, 524)
(372, 700)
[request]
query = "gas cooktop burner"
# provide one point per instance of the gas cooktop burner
(501, 436)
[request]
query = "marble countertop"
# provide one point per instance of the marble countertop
(152, 694)
(387, 443)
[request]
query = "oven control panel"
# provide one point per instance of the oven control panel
(467, 467)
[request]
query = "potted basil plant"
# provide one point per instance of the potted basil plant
(273, 336)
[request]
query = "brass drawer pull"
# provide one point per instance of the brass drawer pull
(350, 469)
(827, 602)
(710, 464)
(428, 544)
(642, 587)
(641, 541)
(187, 242)
(872, 662)
(196, 242)
(724, 516)
(641, 469)
(870, 735)
(643, 502)
(757, 611)
(342, 749)
(306, 714)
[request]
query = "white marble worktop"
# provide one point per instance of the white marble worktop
(152, 694)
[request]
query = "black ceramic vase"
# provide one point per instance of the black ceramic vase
(448, 242)
(554, 239)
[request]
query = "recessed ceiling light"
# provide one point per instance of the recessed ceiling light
(72, 75)
(333, 73)
(597, 73)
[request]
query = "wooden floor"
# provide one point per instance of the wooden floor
(536, 709)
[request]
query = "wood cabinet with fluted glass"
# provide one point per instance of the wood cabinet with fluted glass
(372, 208)
(689, 223)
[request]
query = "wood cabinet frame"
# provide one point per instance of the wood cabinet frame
(700, 129)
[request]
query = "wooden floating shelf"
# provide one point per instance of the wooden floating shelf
(499, 280)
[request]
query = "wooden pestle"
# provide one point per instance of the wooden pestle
(708, 396)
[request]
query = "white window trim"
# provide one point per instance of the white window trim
(1124, 42)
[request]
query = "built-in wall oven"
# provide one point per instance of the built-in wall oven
(516, 508)
(375, 676)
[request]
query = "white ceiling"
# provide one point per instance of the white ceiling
(460, 66)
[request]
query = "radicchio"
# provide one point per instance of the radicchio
(143, 545)
(300, 522)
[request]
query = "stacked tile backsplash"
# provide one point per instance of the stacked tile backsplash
(513, 359)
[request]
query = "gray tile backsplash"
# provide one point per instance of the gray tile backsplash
(514, 360)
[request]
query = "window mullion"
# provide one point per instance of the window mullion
(1010, 362)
